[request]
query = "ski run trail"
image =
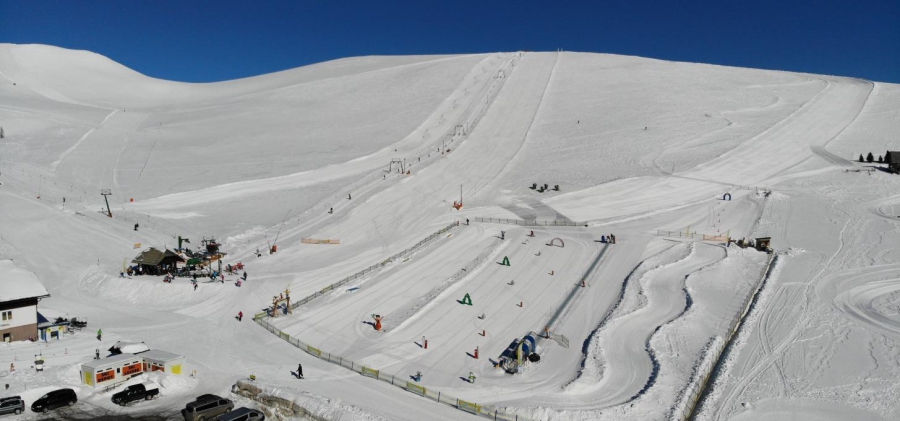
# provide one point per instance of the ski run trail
(672, 158)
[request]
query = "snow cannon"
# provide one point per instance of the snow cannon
(529, 344)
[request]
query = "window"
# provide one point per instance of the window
(7, 315)
(207, 406)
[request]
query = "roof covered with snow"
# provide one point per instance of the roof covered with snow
(111, 362)
(17, 283)
(157, 355)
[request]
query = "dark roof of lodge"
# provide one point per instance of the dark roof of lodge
(153, 257)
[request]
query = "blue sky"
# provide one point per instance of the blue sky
(203, 41)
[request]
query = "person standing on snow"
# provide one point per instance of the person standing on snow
(240, 315)
(195, 287)
(299, 371)
(99, 334)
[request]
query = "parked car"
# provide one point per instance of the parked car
(242, 414)
(148, 390)
(206, 407)
(12, 405)
(55, 399)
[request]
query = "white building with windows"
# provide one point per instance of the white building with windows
(20, 291)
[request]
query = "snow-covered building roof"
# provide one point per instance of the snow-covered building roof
(157, 355)
(17, 283)
(111, 362)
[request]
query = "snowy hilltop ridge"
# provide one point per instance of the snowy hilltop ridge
(439, 210)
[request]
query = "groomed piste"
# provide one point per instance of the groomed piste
(541, 235)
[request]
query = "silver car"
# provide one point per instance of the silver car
(242, 414)
(206, 407)
(11, 405)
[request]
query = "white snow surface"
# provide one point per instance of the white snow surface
(644, 149)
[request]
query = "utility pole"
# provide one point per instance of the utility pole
(107, 192)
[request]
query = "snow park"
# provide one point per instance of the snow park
(508, 236)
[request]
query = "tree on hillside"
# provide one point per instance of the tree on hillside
(870, 158)
(861, 159)
(880, 159)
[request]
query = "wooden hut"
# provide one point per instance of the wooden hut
(762, 243)
(156, 262)
(892, 159)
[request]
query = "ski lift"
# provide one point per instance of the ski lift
(39, 362)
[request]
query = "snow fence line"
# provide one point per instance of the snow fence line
(532, 223)
(436, 395)
(400, 382)
(699, 388)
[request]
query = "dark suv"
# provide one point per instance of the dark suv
(12, 405)
(206, 407)
(55, 399)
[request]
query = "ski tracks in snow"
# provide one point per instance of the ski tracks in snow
(81, 139)
(626, 340)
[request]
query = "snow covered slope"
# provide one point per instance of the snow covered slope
(641, 148)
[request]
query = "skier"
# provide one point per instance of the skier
(330, 210)
(97, 354)
(135, 227)
(467, 221)
(258, 254)
(418, 376)
(99, 334)
(240, 315)
(349, 197)
(245, 275)
(471, 377)
(195, 286)
(502, 235)
(299, 371)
